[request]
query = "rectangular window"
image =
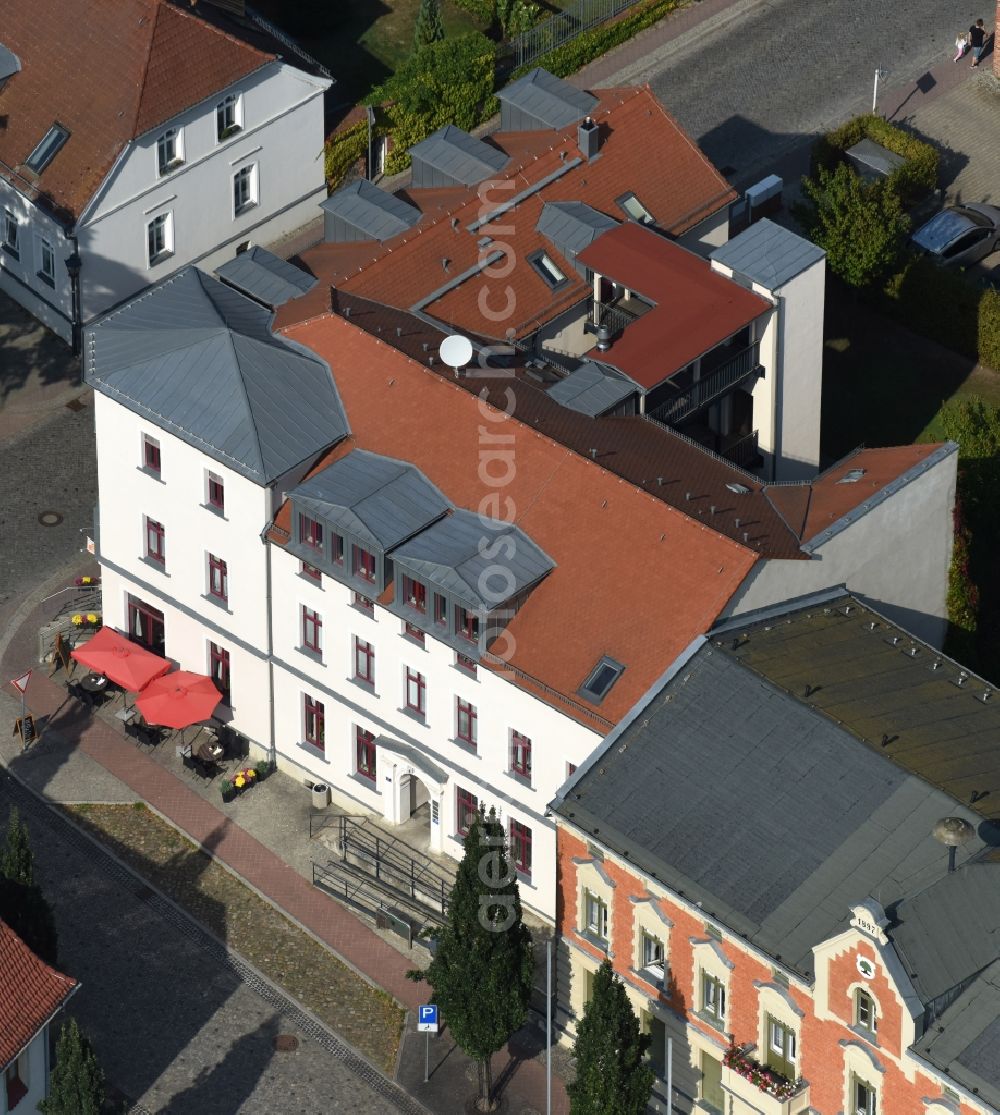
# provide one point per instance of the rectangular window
(415, 595)
(547, 267)
(520, 847)
(467, 624)
(413, 633)
(10, 230)
(169, 151)
(150, 454)
(216, 493)
(864, 1012)
(781, 1051)
(634, 208)
(218, 659)
(15, 1081)
(228, 116)
(652, 954)
(465, 717)
(364, 603)
(145, 625)
(46, 151)
(46, 262)
(311, 572)
(463, 661)
(864, 1097)
(244, 189)
(365, 746)
(312, 630)
(364, 661)
(440, 610)
(218, 578)
(315, 722)
(160, 238)
(156, 549)
(337, 548)
(363, 564)
(710, 1087)
(310, 532)
(713, 997)
(466, 807)
(595, 916)
(520, 754)
(415, 687)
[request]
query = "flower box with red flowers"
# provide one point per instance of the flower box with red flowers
(760, 1076)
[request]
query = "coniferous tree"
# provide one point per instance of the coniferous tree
(22, 904)
(611, 1076)
(429, 27)
(76, 1086)
(15, 857)
(482, 969)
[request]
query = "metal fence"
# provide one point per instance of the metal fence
(581, 15)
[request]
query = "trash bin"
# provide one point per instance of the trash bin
(320, 795)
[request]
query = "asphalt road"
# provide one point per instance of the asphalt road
(767, 75)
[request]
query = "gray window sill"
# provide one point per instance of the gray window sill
(520, 779)
(47, 280)
(12, 252)
(365, 686)
(314, 751)
(593, 939)
(244, 209)
(465, 672)
(161, 258)
(649, 977)
(222, 605)
(470, 749)
(315, 655)
(218, 512)
(416, 717)
(150, 473)
(418, 641)
(159, 566)
(868, 1036)
(711, 1020)
(369, 612)
(370, 784)
(311, 580)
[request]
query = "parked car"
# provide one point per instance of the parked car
(961, 234)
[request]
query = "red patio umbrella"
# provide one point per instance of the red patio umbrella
(178, 700)
(125, 663)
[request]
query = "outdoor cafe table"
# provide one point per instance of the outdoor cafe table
(94, 683)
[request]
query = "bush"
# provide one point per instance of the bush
(482, 10)
(914, 180)
(342, 150)
(963, 597)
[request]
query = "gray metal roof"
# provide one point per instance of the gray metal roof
(591, 389)
(265, 276)
(449, 555)
(822, 821)
(768, 254)
(375, 213)
(548, 98)
(873, 159)
(376, 499)
(198, 359)
(571, 226)
(951, 931)
(460, 156)
(10, 64)
(964, 1041)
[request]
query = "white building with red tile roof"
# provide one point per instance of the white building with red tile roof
(144, 136)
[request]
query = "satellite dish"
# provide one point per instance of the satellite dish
(456, 351)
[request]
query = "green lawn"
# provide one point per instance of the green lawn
(883, 385)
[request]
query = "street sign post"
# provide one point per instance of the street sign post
(21, 685)
(427, 1022)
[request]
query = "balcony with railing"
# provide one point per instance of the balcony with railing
(711, 385)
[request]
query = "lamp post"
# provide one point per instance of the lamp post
(880, 75)
(73, 265)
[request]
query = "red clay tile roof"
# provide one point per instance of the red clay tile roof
(695, 307)
(30, 993)
(107, 71)
(634, 579)
(643, 150)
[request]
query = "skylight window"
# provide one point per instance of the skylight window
(46, 151)
(738, 489)
(547, 268)
(634, 208)
(601, 679)
(852, 476)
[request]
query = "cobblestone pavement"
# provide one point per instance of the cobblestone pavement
(180, 1025)
(762, 76)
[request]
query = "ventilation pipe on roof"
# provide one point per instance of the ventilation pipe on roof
(953, 831)
(588, 138)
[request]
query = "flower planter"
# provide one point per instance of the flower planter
(767, 1080)
(228, 791)
(263, 769)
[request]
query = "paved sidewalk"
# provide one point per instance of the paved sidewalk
(100, 763)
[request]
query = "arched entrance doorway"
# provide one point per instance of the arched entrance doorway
(413, 792)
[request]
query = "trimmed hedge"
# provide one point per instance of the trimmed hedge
(914, 180)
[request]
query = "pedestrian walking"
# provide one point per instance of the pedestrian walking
(961, 44)
(977, 40)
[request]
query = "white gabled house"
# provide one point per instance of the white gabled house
(141, 137)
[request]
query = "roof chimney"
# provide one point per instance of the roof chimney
(588, 138)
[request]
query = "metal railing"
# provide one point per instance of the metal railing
(344, 884)
(285, 40)
(744, 452)
(614, 316)
(709, 387)
(563, 26)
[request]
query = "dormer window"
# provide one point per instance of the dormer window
(466, 624)
(415, 595)
(549, 270)
(310, 532)
(440, 610)
(601, 679)
(337, 548)
(169, 151)
(363, 564)
(47, 150)
(633, 207)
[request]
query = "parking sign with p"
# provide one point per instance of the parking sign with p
(427, 1019)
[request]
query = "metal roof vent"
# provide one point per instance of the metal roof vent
(852, 476)
(952, 832)
(739, 489)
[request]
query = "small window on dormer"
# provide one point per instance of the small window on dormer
(634, 208)
(47, 150)
(414, 594)
(601, 679)
(466, 624)
(549, 270)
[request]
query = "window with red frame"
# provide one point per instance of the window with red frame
(315, 716)
(520, 847)
(570, 769)
(219, 669)
(216, 493)
(15, 1087)
(364, 603)
(151, 454)
(364, 661)
(310, 532)
(440, 610)
(467, 624)
(520, 754)
(337, 546)
(218, 578)
(362, 563)
(466, 722)
(415, 595)
(413, 633)
(466, 806)
(312, 628)
(365, 753)
(466, 663)
(156, 549)
(415, 691)
(311, 572)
